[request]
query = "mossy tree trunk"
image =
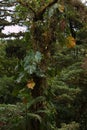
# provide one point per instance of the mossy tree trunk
(42, 39)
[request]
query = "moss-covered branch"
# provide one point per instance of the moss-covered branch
(38, 15)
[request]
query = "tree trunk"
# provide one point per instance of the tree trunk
(42, 40)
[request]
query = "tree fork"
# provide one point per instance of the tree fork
(37, 15)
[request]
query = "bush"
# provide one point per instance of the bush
(11, 117)
(71, 126)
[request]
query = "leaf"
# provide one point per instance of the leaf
(70, 42)
(34, 101)
(31, 84)
(61, 8)
(21, 75)
(34, 116)
(38, 56)
(31, 61)
(44, 111)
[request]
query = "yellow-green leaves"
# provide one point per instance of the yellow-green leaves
(61, 8)
(70, 42)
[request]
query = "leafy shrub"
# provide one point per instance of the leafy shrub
(71, 126)
(11, 117)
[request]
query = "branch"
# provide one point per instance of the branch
(47, 6)
(39, 15)
(25, 4)
(7, 4)
(5, 10)
(2, 35)
(13, 22)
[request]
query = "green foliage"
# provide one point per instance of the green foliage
(59, 101)
(6, 87)
(66, 87)
(71, 126)
(11, 117)
(15, 116)
(30, 65)
(31, 61)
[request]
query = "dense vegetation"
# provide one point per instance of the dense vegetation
(43, 71)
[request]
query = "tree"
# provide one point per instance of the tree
(50, 25)
(45, 34)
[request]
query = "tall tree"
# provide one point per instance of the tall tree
(51, 24)
(45, 32)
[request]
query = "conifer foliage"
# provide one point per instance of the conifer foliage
(43, 71)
